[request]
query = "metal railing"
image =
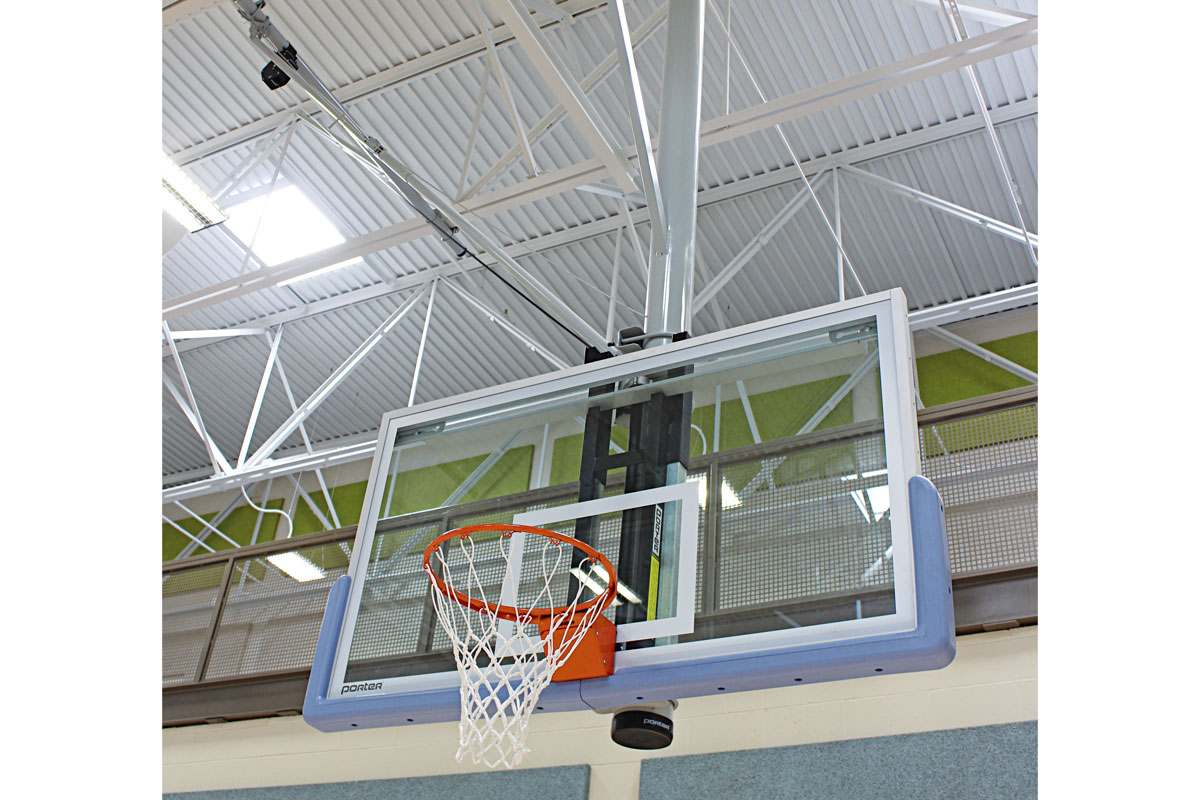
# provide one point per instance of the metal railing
(251, 613)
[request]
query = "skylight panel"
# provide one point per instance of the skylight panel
(285, 225)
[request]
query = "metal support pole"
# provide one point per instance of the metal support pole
(412, 392)
(672, 257)
(609, 331)
(633, 238)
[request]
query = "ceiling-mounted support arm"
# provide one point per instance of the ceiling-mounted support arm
(286, 65)
(435, 207)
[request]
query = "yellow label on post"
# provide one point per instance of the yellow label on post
(655, 552)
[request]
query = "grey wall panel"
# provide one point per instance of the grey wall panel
(561, 783)
(994, 761)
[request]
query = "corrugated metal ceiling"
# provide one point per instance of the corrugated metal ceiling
(211, 87)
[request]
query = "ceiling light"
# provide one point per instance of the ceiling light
(283, 225)
(589, 582)
(622, 589)
(185, 201)
(878, 497)
(296, 566)
(729, 498)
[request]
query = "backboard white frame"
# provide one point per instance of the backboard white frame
(687, 494)
(889, 310)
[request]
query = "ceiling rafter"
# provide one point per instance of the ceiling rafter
(731, 126)
(406, 232)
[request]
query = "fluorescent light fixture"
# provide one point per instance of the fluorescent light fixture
(622, 589)
(296, 566)
(729, 498)
(869, 474)
(590, 583)
(878, 565)
(701, 479)
(285, 225)
(879, 498)
(185, 201)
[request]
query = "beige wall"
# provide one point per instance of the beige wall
(993, 680)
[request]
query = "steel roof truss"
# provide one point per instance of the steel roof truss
(637, 114)
(332, 382)
(566, 90)
(945, 206)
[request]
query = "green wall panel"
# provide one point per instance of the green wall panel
(959, 375)
(943, 378)
(239, 526)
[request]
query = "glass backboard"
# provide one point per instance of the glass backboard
(750, 487)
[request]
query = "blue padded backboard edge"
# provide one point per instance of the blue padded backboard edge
(929, 646)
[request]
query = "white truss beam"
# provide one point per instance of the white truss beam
(959, 31)
(789, 210)
(499, 319)
(361, 447)
(470, 47)
(944, 206)
(191, 410)
(983, 353)
(332, 382)
(739, 123)
(566, 89)
(258, 397)
(873, 81)
(593, 79)
(651, 192)
(388, 237)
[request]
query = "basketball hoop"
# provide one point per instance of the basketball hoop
(508, 654)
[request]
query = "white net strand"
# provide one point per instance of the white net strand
(503, 673)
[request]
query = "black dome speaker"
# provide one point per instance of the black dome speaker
(642, 730)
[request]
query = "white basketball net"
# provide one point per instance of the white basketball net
(505, 665)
